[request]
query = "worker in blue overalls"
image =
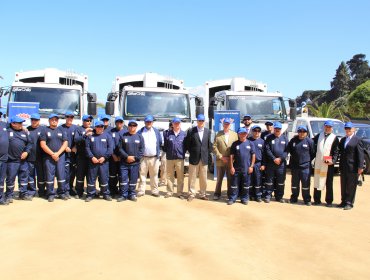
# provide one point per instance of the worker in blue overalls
(302, 152)
(131, 150)
(255, 188)
(20, 145)
(114, 161)
(70, 155)
(276, 152)
(35, 166)
(99, 148)
(242, 159)
(82, 160)
(4, 147)
(105, 119)
(53, 142)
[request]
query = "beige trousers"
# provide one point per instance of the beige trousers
(178, 166)
(150, 164)
(163, 169)
(194, 170)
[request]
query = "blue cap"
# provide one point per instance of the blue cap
(16, 119)
(227, 120)
(86, 117)
(247, 116)
(201, 117)
(53, 116)
(69, 113)
(132, 121)
(302, 127)
(328, 123)
(242, 130)
(256, 126)
(35, 116)
(278, 125)
(118, 119)
(176, 120)
(104, 117)
(348, 125)
(149, 118)
(269, 123)
(99, 123)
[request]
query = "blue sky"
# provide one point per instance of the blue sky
(290, 45)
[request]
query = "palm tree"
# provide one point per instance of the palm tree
(326, 110)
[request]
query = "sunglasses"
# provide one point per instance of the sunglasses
(132, 125)
(302, 131)
(87, 121)
(99, 126)
(69, 117)
(256, 130)
(200, 121)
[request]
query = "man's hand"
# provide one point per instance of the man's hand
(130, 159)
(68, 150)
(74, 149)
(225, 160)
(101, 160)
(232, 170)
(262, 168)
(250, 170)
(115, 158)
(24, 155)
(95, 160)
(277, 161)
(55, 157)
(360, 170)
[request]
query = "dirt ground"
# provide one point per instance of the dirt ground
(158, 238)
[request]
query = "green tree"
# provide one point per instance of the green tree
(359, 70)
(340, 83)
(325, 110)
(359, 101)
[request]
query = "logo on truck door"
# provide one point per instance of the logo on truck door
(22, 89)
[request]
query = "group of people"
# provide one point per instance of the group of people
(120, 156)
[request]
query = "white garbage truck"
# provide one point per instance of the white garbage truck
(56, 91)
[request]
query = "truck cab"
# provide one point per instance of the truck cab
(56, 92)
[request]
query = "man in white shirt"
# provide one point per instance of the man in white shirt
(150, 162)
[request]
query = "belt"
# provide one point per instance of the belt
(150, 156)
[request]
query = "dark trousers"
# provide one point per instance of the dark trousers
(301, 176)
(101, 171)
(2, 179)
(70, 173)
(36, 170)
(14, 169)
(255, 188)
(82, 170)
(275, 180)
(239, 186)
(54, 169)
(114, 171)
(348, 186)
(129, 174)
(221, 170)
(329, 188)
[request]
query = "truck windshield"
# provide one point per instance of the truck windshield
(52, 100)
(159, 104)
(318, 126)
(260, 107)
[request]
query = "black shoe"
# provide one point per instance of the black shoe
(133, 198)
(64, 197)
(27, 198)
(9, 200)
(329, 205)
(156, 194)
(342, 205)
(190, 198)
(293, 201)
(230, 202)
(317, 203)
(348, 207)
(245, 202)
(216, 197)
(68, 196)
(281, 200)
(258, 200)
(5, 202)
(50, 198)
(204, 197)
(88, 199)
(107, 198)
(266, 200)
(308, 203)
(120, 199)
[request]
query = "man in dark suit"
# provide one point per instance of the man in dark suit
(198, 144)
(351, 165)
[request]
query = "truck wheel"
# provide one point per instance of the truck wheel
(367, 164)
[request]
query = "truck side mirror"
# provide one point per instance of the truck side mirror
(199, 106)
(211, 111)
(199, 110)
(109, 108)
(293, 109)
(91, 108)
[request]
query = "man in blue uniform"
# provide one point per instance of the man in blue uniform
(4, 147)
(82, 160)
(99, 148)
(70, 155)
(105, 119)
(34, 159)
(53, 141)
(269, 130)
(114, 161)
(131, 150)
(174, 148)
(350, 165)
(20, 145)
(276, 152)
(302, 152)
(255, 189)
(242, 158)
(247, 121)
